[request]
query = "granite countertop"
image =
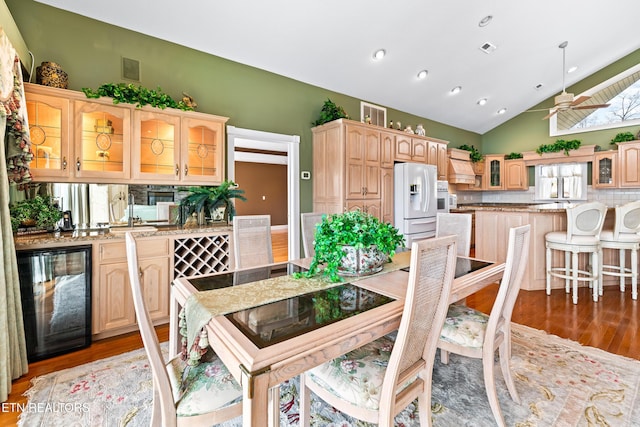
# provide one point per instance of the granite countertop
(78, 237)
(514, 207)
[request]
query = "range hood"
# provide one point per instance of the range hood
(460, 169)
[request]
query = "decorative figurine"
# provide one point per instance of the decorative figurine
(408, 129)
(390, 124)
(398, 125)
(420, 131)
(367, 119)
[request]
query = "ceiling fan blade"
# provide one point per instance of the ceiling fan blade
(587, 107)
(550, 114)
(580, 100)
(539, 109)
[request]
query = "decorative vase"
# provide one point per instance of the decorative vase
(51, 74)
(361, 262)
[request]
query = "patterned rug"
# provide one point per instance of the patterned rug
(560, 383)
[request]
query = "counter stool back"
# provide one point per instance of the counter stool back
(457, 224)
(252, 240)
(309, 221)
(624, 236)
(584, 225)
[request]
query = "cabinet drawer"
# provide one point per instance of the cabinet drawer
(147, 248)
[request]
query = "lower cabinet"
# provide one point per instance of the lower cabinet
(113, 310)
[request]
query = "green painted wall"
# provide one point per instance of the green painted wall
(91, 51)
(527, 131)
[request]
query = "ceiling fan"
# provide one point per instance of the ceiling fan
(566, 101)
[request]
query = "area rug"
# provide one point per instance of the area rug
(560, 383)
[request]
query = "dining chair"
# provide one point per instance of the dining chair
(377, 381)
(471, 333)
(584, 225)
(200, 395)
(252, 240)
(308, 222)
(457, 224)
(624, 236)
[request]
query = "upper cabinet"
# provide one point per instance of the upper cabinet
(515, 175)
(629, 161)
(605, 174)
(494, 164)
(83, 140)
(411, 149)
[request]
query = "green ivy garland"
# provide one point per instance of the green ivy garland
(138, 95)
(559, 145)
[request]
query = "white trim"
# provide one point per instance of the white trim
(289, 144)
(243, 156)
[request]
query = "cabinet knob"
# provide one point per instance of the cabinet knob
(177, 169)
(78, 164)
(64, 163)
(186, 169)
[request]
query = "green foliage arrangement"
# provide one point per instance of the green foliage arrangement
(475, 154)
(513, 156)
(559, 145)
(354, 228)
(138, 95)
(330, 112)
(39, 209)
(622, 137)
(210, 198)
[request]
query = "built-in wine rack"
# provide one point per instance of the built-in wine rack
(201, 255)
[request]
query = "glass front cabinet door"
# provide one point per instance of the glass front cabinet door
(202, 151)
(102, 139)
(155, 152)
(605, 169)
(49, 130)
(494, 165)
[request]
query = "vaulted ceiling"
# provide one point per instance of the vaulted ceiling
(330, 44)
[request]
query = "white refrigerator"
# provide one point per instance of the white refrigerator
(415, 205)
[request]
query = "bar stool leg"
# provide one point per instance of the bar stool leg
(574, 267)
(634, 273)
(623, 269)
(594, 276)
(548, 260)
(567, 270)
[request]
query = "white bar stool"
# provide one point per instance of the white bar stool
(624, 236)
(584, 224)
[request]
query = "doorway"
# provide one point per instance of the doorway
(246, 145)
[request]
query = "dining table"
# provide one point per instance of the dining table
(268, 325)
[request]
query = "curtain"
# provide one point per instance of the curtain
(14, 153)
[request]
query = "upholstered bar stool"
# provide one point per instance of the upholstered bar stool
(624, 236)
(584, 225)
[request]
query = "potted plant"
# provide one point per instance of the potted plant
(330, 112)
(474, 154)
(622, 137)
(39, 212)
(353, 243)
(207, 199)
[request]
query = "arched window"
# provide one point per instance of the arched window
(622, 92)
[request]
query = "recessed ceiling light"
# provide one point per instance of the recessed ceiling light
(572, 69)
(488, 47)
(482, 101)
(379, 54)
(485, 21)
(502, 111)
(422, 74)
(456, 90)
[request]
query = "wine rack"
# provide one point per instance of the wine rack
(201, 255)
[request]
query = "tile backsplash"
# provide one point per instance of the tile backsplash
(610, 197)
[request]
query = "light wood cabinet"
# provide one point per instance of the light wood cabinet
(113, 310)
(362, 172)
(387, 148)
(442, 160)
(629, 162)
(346, 166)
(412, 149)
(479, 182)
(92, 140)
(605, 168)
(386, 198)
(494, 171)
(515, 175)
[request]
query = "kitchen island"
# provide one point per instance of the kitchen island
(492, 224)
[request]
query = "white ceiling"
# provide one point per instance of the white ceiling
(330, 44)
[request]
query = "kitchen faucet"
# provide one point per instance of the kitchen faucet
(130, 201)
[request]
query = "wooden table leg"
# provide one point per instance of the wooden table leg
(255, 398)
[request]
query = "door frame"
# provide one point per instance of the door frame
(289, 144)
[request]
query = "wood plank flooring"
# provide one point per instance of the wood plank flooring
(610, 324)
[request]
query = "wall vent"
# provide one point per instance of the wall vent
(374, 114)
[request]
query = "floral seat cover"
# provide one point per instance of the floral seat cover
(464, 326)
(202, 388)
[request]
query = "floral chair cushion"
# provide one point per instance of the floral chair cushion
(464, 326)
(358, 375)
(202, 388)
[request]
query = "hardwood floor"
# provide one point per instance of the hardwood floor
(610, 324)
